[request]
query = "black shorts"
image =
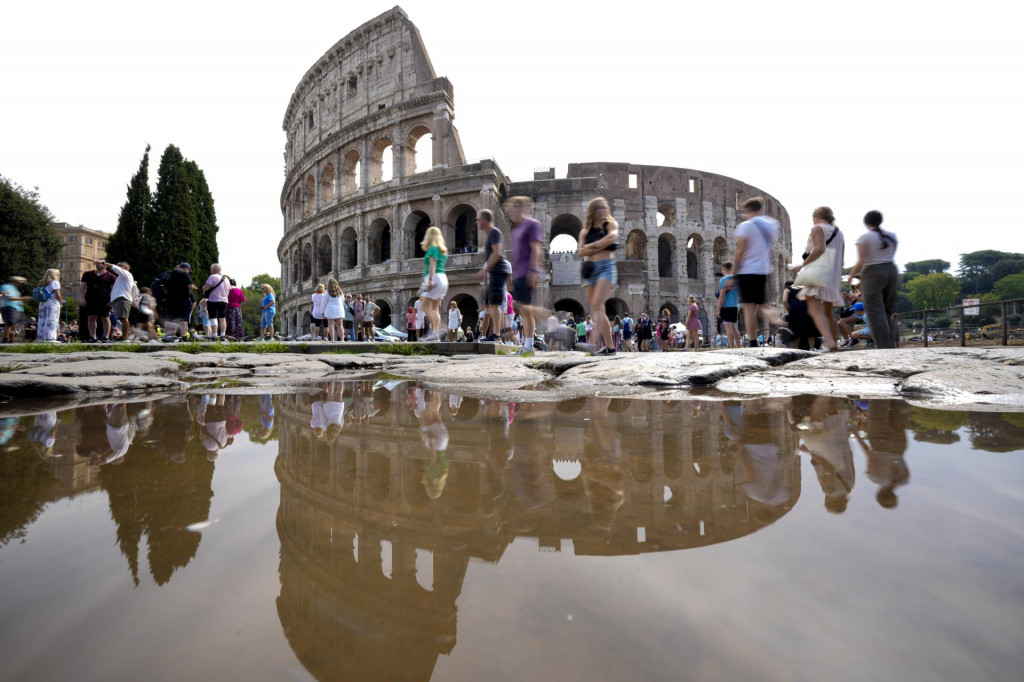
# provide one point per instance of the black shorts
(318, 322)
(13, 317)
(178, 310)
(97, 308)
(521, 291)
(752, 288)
(495, 293)
(730, 314)
(217, 309)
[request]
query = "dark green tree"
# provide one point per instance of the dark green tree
(907, 276)
(980, 270)
(126, 242)
(927, 267)
(31, 244)
(172, 234)
(937, 290)
(206, 217)
(1011, 286)
(253, 295)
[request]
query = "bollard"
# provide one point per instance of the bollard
(963, 329)
(924, 329)
(1005, 324)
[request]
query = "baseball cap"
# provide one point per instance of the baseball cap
(184, 266)
(858, 306)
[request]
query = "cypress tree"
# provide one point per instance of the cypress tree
(172, 233)
(126, 242)
(30, 242)
(206, 217)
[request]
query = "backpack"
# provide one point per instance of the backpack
(159, 287)
(41, 294)
(626, 325)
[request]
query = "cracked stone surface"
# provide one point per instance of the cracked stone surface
(974, 378)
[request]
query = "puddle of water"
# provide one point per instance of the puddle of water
(377, 530)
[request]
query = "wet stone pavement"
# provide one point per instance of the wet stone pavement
(381, 530)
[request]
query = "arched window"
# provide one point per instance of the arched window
(349, 254)
(310, 195)
(565, 233)
(419, 149)
(666, 256)
(636, 245)
(307, 261)
(694, 244)
(379, 244)
(381, 162)
(327, 177)
(416, 225)
(350, 170)
(463, 217)
(323, 257)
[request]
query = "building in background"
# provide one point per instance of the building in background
(82, 246)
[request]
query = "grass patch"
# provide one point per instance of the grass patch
(11, 367)
(404, 349)
(63, 348)
(384, 376)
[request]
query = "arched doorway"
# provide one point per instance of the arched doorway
(463, 217)
(694, 244)
(469, 308)
(416, 224)
(323, 257)
(349, 253)
(673, 310)
(307, 261)
(572, 306)
(666, 256)
(382, 318)
(615, 307)
(379, 245)
(636, 245)
(327, 184)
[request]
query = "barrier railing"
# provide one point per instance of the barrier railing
(1003, 324)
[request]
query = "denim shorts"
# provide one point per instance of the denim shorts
(603, 269)
(267, 318)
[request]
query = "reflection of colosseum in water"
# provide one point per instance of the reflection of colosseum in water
(371, 566)
(372, 159)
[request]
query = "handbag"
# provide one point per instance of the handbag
(819, 272)
(587, 269)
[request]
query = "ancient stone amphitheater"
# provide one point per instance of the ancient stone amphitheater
(372, 159)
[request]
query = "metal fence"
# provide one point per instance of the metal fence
(965, 331)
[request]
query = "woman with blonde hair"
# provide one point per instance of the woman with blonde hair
(435, 281)
(598, 241)
(334, 310)
(268, 306)
(822, 285)
(49, 310)
(693, 325)
(318, 324)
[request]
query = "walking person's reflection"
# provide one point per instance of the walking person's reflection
(43, 433)
(120, 431)
(820, 422)
(212, 417)
(435, 442)
(601, 470)
(762, 464)
(266, 418)
(318, 420)
(334, 411)
(882, 434)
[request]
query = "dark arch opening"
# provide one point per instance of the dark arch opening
(349, 252)
(636, 246)
(569, 305)
(691, 265)
(465, 229)
(379, 247)
(420, 222)
(307, 261)
(566, 224)
(665, 257)
(469, 308)
(615, 307)
(323, 257)
(382, 318)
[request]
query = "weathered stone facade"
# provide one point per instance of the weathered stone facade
(369, 104)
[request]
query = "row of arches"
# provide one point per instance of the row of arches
(385, 161)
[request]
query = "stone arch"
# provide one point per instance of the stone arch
(378, 247)
(381, 166)
(324, 260)
(666, 255)
(719, 254)
(462, 218)
(348, 249)
(327, 178)
(566, 229)
(667, 211)
(297, 204)
(416, 224)
(350, 169)
(382, 317)
(571, 305)
(468, 306)
(296, 269)
(694, 244)
(310, 195)
(615, 307)
(307, 261)
(636, 245)
(418, 150)
(673, 310)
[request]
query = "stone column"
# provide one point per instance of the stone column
(335, 250)
(364, 164)
(361, 241)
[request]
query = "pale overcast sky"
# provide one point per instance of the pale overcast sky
(911, 107)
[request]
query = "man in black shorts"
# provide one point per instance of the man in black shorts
(96, 287)
(495, 273)
(755, 238)
(179, 299)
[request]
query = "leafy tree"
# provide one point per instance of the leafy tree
(1011, 286)
(927, 267)
(126, 242)
(980, 270)
(905, 277)
(941, 322)
(31, 244)
(903, 303)
(937, 290)
(206, 217)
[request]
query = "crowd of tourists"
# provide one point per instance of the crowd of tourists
(819, 312)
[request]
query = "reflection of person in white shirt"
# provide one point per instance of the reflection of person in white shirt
(120, 432)
(334, 412)
(435, 442)
(214, 435)
(318, 421)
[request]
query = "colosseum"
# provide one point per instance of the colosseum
(373, 159)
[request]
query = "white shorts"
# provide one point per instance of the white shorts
(440, 288)
(508, 320)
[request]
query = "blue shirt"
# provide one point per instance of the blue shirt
(11, 290)
(732, 296)
(269, 300)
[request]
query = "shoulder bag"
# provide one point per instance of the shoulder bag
(819, 272)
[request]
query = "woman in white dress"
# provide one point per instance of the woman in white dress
(825, 241)
(49, 310)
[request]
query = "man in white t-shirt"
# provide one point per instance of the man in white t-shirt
(217, 288)
(755, 238)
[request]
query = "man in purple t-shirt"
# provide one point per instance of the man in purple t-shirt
(527, 255)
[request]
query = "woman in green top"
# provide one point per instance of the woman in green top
(435, 282)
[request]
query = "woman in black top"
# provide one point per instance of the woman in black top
(598, 242)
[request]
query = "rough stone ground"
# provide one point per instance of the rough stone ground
(971, 378)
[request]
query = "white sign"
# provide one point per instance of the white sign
(636, 289)
(975, 306)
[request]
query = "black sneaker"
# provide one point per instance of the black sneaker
(605, 351)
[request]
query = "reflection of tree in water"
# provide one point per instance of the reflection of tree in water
(936, 426)
(26, 483)
(162, 486)
(994, 432)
